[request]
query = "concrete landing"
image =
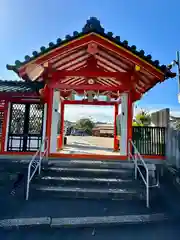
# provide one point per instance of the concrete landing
(89, 145)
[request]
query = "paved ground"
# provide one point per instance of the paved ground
(145, 232)
(89, 145)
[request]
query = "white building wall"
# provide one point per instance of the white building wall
(54, 121)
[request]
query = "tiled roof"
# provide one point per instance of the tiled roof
(92, 25)
(19, 86)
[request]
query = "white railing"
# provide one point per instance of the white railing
(35, 163)
(137, 158)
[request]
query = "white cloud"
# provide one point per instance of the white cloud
(97, 113)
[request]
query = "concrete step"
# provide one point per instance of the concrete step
(41, 228)
(13, 164)
(91, 164)
(87, 172)
(87, 182)
(90, 193)
(71, 207)
(9, 172)
(79, 222)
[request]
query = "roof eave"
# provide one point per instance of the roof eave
(12, 68)
(108, 36)
(92, 26)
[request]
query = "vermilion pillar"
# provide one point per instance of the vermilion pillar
(61, 135)
(116, 141)
(4, 126)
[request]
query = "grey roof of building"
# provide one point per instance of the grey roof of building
(9, 86)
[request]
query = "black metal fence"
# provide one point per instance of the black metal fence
(150, 140)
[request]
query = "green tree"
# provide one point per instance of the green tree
(85, 124)
(143, 118)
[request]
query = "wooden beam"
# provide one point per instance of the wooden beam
(127, 55)
(64, 48)
(5, 95)
(135, 96)
(18, 96)
(85, 72)
(86, 87)
(83, 42)
(113, 94)
(85, 102)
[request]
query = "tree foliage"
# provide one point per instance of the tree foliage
(85, 124)
(143, 118)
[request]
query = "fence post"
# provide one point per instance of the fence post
(147, 189)
(40, 157)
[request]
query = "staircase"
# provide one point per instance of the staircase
(88, 180)
(80, 194)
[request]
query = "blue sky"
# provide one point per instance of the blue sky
(153, 25)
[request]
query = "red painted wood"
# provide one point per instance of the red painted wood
(24, 100)
(78, 43)
(86, 72)
(10, 95)
(106, 44)
(94, 87)
(116, 106)
(129, 118)
(4, 126)
(128, 55)
(85, 102)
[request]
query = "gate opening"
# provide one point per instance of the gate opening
(91, 130)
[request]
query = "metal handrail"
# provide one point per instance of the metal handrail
(137, 157)
(35, 163)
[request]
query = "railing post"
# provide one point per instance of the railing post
(46, 153)
(36, 165)
(129, 150)
(39, 164)
(27, 188)
(135, 168)
(40, 158)
(147, 188)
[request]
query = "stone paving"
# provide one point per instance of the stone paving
(158, 231)
(89, 145)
